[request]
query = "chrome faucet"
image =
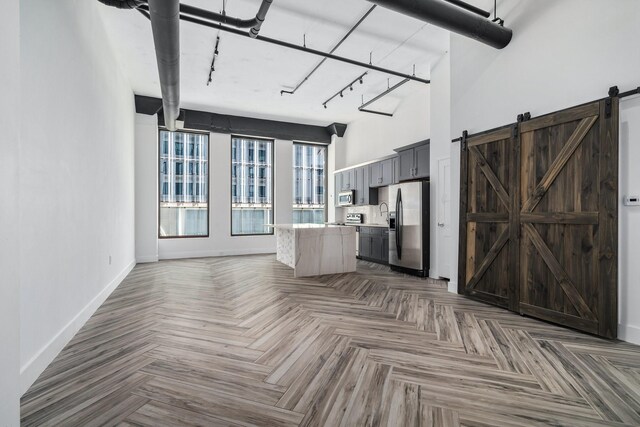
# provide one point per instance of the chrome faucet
(387, 211)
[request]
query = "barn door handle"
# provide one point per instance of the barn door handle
(441, 224)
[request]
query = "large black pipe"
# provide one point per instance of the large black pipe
(123, 4)
(253, 23)
(165, 25)
(453, 18)
(470, 8)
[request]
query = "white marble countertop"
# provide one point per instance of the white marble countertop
(305, 226)
(363, 225)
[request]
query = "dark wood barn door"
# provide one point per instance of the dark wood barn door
(568, 245)
(538, 224)
(487, 235)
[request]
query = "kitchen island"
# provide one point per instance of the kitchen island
(316, 249)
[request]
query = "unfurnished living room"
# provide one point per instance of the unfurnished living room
(320, 213)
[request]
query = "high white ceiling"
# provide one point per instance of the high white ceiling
(250, 74)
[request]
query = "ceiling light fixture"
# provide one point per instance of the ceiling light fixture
(360, 79)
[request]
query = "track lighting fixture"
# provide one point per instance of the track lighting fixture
(360, 79)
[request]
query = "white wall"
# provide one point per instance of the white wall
(629, 226)
(9, 213)
(563, 53)
(375, 136)
(76, 175)
(440, 149)
(146, 141)
(220, 242)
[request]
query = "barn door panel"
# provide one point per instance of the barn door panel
(565, 179)
(538, 217)
(486, 268)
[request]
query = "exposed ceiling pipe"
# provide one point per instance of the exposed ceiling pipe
(165, 25)
(453, 18)
(470, 8)
(123, 4)
(281, 43)
(254, 23)
(346, 36)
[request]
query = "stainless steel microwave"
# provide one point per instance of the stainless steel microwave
(346, 198)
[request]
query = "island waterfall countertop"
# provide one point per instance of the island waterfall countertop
(316, 249)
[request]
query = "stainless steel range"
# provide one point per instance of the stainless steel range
(354, 219)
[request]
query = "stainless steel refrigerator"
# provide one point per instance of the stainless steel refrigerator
(409, 227)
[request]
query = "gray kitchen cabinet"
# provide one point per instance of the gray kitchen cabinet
(405, 164)
(374, 244)
(413, 161)
(365, 195)
(381, 173)
(423, 158)
(396, 170)
(349, 180)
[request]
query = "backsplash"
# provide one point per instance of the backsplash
(371, 213)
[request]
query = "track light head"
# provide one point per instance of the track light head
(341, 95)
(351, 88)
(361, 81)
(325, 106)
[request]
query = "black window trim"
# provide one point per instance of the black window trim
(273, 179)
(208, 134)
(326, 174)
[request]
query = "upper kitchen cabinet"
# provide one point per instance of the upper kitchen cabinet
(349, 180)
(365, 194)
(413, 161)
(381, 173)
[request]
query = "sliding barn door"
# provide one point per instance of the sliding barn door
(487, 234)
(568, 217)
(538, 217)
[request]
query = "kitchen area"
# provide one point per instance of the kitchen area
(387, 201)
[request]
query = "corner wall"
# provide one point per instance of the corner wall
(375, 136)
(76, 175)
(10, 214)
(563, 53)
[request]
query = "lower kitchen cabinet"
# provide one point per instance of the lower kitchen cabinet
(374, 244)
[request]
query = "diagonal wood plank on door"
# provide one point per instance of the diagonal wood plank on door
(488, 260)
(559, 273)
(559, 163)
(491, 177)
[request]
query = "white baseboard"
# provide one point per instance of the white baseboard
(629, 333)
(30, 372)
(453, 287)
(146, 259)
(209, 254)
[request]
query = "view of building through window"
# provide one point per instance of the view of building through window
(251, 186)
(184, 184)
(309, 196)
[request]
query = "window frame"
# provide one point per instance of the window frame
(191, 131)
(273, 182)
(326, 174)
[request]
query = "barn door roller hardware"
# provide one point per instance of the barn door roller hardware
(452, 17)
(364, 105)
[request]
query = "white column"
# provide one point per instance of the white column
(10, 214)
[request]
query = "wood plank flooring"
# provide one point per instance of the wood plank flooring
(238, 341)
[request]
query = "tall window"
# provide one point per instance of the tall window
(309, 183)
(184, 198)
(251, 186)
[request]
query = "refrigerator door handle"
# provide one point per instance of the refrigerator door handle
(399, 223)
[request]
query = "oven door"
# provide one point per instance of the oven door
(345, 198)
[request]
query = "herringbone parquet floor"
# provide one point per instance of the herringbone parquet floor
(239, 341)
